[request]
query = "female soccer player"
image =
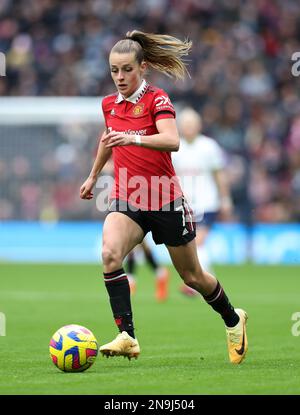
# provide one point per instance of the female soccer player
(141, 133)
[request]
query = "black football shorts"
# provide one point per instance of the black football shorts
(172, 225)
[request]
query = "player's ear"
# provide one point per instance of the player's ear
(143, 66)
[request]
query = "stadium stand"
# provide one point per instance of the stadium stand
(241, 83)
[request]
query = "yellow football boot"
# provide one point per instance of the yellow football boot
(237, 338)
(123, 345)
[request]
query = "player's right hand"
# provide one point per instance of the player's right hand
(87, 187)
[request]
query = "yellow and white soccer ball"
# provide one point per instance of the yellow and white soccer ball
(73, 348)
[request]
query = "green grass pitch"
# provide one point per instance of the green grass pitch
(183, 341)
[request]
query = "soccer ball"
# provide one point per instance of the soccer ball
(73, 348)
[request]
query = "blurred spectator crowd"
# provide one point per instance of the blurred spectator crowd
(240, 82)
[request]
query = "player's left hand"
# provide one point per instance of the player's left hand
(118, 138)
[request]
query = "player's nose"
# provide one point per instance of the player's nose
(120, 76)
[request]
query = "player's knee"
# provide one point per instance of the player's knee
(193, 278)
(111, 258)
(189, 278)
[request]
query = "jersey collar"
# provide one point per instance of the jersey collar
(136, 96)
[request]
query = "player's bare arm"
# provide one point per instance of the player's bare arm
(224, 192)
(167, 138)
(103, 154)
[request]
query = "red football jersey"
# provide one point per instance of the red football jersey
(144, 177)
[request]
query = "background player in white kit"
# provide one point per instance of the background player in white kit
(200, 164)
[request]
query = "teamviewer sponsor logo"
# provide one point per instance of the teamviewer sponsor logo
(2, 324)
(2, 64)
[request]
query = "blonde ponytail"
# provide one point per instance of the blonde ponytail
(162, 52)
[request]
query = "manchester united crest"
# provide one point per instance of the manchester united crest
(138, 110)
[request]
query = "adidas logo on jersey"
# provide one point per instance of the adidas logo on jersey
(185, 231)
